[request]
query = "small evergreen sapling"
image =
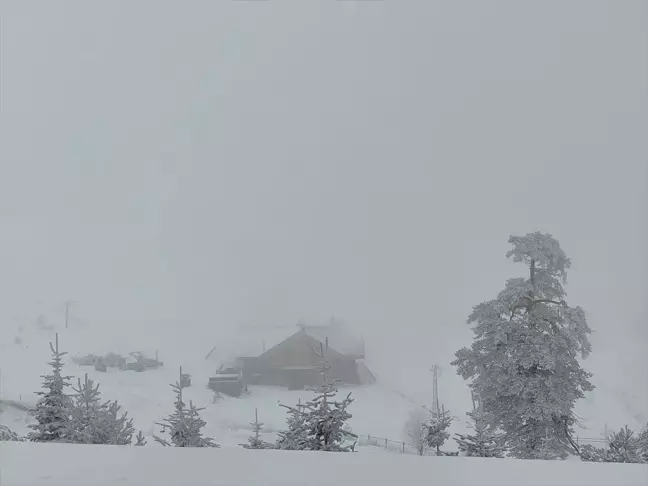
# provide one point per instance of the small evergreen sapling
(255, 441)
(54, 406)
(8, 435)
(623, 447)
(295, 436)
(436, 430)
(318, 425)
(643, 444)
(94, 422)
(140, 440)
(184, 425)
(483, 442)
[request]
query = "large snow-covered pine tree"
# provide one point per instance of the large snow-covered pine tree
(54, 407)
(524, 361)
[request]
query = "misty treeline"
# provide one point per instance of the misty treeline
(523, 369)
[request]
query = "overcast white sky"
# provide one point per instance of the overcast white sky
(213, 162)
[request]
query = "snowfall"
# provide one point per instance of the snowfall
(379, 411)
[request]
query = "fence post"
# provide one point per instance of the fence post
(385, 442)
(403, 447)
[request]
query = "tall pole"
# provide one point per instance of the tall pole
(435, 389)
(67, 311)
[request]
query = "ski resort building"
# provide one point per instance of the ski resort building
(289, 356)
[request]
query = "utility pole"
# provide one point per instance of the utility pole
(435, 390)
(67, 311)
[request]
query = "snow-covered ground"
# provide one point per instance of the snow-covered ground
(75, 465)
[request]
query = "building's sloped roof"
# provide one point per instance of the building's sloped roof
(339, 337)
(251, 342)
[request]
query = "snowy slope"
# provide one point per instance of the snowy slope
(29, 464)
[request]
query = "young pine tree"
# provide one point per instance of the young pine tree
(184, 425)
(326, 417)
(94, 422)
(255, 441)
(319, 424)
(8, 435)
(623, 447)
(436, 430)
(642, 440)
(523, 363)
(54, 406)
(483, 442)
(140, 440)
(295, 436)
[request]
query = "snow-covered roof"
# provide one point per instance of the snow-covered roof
(251, 342)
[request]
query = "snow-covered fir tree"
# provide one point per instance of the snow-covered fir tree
(524, 361)
(184, 425)
(623, 446)
(94, 422)
(54, 407)
(323, 417)
(255, 441)
(140, 440)
(295, 436)
(436, 429)
(483, 442)
(642, 440)
(8, 435)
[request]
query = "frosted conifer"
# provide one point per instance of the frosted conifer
(94, 422)
(643, 444)
(255, 441)
(326, 417)
(319, 424)
(436, 430)
(524, 362)
(623, 446)
(54, 406)
(295, 436)
(184, 425)
(140, 440)
(8, 435)
(483, 442)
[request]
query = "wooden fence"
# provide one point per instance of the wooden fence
(405, 448)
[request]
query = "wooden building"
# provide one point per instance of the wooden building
(294, 361)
